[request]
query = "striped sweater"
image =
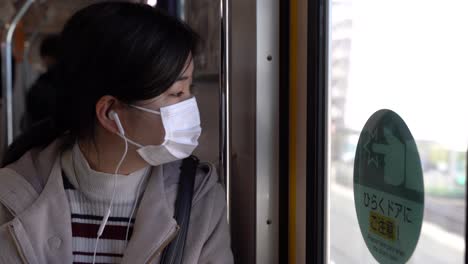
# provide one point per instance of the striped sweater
(89, 193)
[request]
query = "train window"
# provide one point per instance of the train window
(410, 57)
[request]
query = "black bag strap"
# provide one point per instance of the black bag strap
(174, 251)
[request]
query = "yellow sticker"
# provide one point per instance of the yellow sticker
(382, 226)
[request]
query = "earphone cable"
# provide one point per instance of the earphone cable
(106, 217)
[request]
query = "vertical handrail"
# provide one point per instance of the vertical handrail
(8, 74)
(181, 10)
(225, 127)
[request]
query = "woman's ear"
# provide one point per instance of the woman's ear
(107, 108)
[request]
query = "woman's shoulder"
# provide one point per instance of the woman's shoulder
(16, 194)
(36, 164)
(22, 181)
(206, 177)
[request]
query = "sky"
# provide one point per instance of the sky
(411, 56)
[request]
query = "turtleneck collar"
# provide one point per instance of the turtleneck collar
(99, 185)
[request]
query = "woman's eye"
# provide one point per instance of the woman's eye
(179, 94)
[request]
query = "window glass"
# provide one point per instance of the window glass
(408, 56)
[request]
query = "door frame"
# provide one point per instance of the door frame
(317, 127)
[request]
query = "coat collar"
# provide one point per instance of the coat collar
(154, 223)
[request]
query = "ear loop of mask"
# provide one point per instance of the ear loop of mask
(106, 216)
(146, 109)
(121, 128)
(127, 140)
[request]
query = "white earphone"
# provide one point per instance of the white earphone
(114, 116)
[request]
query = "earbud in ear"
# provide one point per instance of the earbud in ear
(114, 116)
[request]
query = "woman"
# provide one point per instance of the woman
(99, 186)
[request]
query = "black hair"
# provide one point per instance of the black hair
(130, 51)
(50, 46)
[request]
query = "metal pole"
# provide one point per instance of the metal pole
(181, 13)
(8, 74)
(225, 125)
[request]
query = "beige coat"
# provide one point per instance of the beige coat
(35, 220)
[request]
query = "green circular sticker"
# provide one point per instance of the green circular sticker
(388, 188)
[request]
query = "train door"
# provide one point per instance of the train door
(408, 57)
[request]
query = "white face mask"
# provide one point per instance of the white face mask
(181, 123)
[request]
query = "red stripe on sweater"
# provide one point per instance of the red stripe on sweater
(91, 263)
(110, 231)
(97, 254)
